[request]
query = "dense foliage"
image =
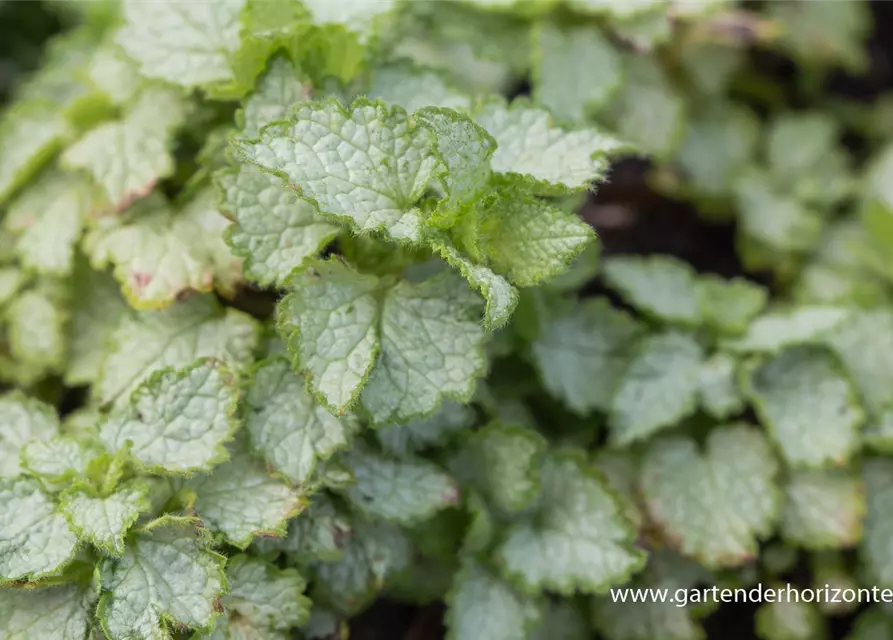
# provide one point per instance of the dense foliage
(299, 313)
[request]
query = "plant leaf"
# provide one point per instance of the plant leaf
(166, 574)
(22, 420)
(505, 465)
(797, 143)
(864, 344)
(777, 329)
(58, 459)
(404, 491)
(35, 540)
(431, 349)
(430, 431)
(825, 35)
(531, 145)
(286, 425)
(662, 287)
(278, 88)
(875, 552)
(872, 624)
(621, 472)
(482, 606)
(61, 612)
(177, 421)
(561, 621)
(728, 306)
(775, 219)
(159, 254)
(714, 504)
(465, 150)
(582, 353)
(240, 500)
(720, 141)
(789, 620)
(98, 309)
(317, 534)
(414, 87)
(372, 554)
(549, 550)
(529, 241)
(823, 509)
(115, 74)
(576, 69)
(186, 44)
(658, 388)
(581, 270)
(648, 619)
(330, 322)
(617, 9)
(275, 231)
(356, 15)
(104, 520)
(263, 601)
(11, 280)
(647, 110)
(37, 336)
(128, 157)
(718, 391)
(500, 295)
(175, 337)
(49, 218)
(366, 166)
(30, 134)
(808, 405)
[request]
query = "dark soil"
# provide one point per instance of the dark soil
(631, 218)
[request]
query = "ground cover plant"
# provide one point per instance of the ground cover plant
(443, 318)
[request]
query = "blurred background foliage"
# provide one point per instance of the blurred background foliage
(765, 136)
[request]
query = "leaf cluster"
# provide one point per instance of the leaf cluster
(317, 280)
